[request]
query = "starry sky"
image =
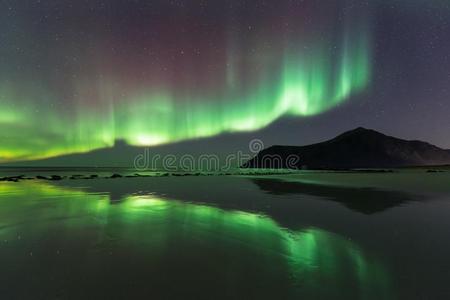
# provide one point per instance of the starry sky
(78, 75)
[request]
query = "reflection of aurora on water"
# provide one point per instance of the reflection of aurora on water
(148, 224)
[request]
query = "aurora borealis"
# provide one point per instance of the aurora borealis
(154, 73)
(79, 75)
(224, 149)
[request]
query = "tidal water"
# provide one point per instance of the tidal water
(310, 235)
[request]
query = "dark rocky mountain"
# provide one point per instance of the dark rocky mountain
(358, 148)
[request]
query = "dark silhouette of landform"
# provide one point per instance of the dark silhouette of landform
(358, 148)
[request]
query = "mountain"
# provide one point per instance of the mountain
(358, 148)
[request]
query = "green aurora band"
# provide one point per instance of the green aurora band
(298, 82)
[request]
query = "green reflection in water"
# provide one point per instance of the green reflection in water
(158, 234)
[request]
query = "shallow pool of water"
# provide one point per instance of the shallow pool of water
(335, 236)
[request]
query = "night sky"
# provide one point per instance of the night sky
(78, 75)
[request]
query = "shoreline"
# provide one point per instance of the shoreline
(56, 177)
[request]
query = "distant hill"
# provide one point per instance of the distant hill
(358, 148)
(124, 155)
